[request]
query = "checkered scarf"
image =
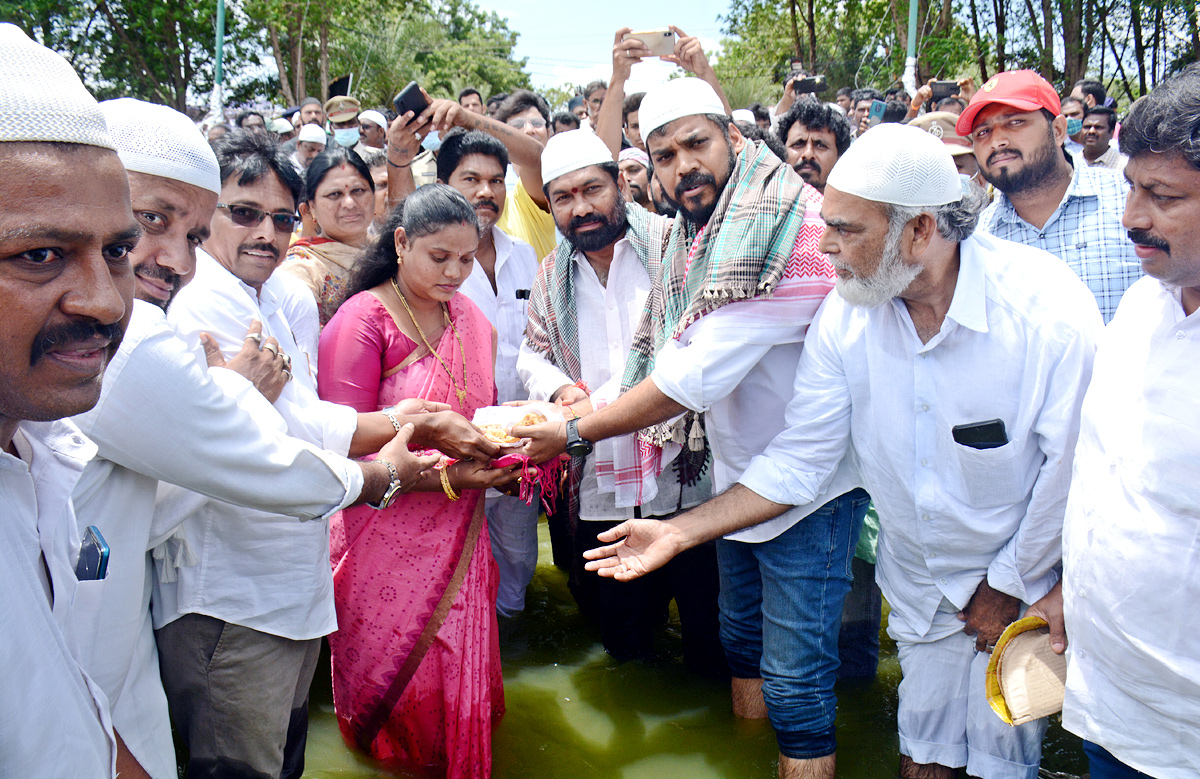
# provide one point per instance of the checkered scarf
(553, 328)
(741, 253)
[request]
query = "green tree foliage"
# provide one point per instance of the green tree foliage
(153, 50)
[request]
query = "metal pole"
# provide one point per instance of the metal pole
(218, 104)
(910, 62)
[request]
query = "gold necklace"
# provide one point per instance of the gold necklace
(461, 392)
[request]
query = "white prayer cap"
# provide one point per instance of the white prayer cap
(568, 152)
(635, 154)
(281, 126)
(311, 133)
(739, 115)
(42, 98)
(676, 99)
(160, 141)
(374, 117)
(896, 164)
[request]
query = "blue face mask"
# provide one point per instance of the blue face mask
(347, 136)
(1074, 126)
(432, 141)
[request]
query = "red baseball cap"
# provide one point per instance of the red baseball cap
(1024, 90)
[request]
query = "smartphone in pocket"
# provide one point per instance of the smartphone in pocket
(93, 556)
(981, 435)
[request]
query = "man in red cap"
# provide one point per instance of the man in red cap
(1016, 126)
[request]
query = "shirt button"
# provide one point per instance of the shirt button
(924, 462)
(924, 406)
(933, 556)
(1180, 335)
(1080, 654)
(925, 517)
(943, 581)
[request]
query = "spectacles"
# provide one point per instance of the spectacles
(519, 124)
(246, 216)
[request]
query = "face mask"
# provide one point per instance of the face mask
(432, 141)
(347, 136)
(1074, 126)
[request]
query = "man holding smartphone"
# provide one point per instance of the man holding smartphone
(952, 367)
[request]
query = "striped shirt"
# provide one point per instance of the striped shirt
(1085, 232)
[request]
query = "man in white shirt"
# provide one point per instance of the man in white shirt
(66, 290)
(158, 393)
(1129, 541)
(474, 162)
(587, 301)
(256, 581)
(952, 366)
(723, 329)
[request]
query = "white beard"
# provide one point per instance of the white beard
(889, 280)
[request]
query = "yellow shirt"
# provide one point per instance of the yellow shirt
(523, 219)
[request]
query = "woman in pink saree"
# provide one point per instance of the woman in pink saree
(416, 659)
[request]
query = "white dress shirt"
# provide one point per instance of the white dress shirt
(608, 317)
(264, 571)
(1016, 345)
(54, 721)
(1130, 541)
(515, 269)
(161, 415)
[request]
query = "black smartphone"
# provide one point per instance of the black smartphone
(809, 85)
(410, 99)
(943, 90)
(93, 556)
(981, 435)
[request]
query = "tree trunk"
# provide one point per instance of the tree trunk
(1000, 14)
(285, 85)
(812, 38)
(323, 59)
(980, 52)
(1118, 57)
(1047, 63)
(795, 29)
(1190, 11)
(1139, 45)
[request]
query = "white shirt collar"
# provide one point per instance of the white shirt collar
(968, 307)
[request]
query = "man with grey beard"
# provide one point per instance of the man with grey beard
(952, 366)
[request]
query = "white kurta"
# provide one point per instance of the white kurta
(161, 415)
(607, 317)
(1016, 345)
(1131, 542)
(54, 720)
(264, 571)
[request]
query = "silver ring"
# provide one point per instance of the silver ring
(287, 373)
(256, 338)
(272, 348)
(287, 360)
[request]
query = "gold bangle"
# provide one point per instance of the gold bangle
(446, 486)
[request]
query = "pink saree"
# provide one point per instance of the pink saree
(410, 692)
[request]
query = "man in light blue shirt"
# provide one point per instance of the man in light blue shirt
(1072, 211)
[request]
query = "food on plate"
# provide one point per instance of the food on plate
(495, 432)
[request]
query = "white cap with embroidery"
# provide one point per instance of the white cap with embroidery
(374, 117)
(42, 98)
(897, 164)
(568, 152)
(676, 99)
(160, 141)
(311, 133)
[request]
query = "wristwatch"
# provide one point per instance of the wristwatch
(576, 446)
(394, 488)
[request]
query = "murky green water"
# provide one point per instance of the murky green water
(573, 713)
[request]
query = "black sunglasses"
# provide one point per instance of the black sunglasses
(246, 216)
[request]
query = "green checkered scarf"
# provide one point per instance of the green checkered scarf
(742, 254)
(553, 327)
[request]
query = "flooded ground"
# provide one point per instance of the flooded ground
(575, 714)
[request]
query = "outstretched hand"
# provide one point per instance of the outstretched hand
(409, 467)
(260, 361)
(453, 434)
(689, 53)
(642, 545)
(1050, 608)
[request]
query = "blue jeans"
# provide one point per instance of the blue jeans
(781, 610)
(1103, 765)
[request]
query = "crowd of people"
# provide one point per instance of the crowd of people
(790, 360)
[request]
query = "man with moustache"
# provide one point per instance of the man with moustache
(474, 163)
(815, 135)
(587, 300)
(158, 394)
(635, 167)
(66, 289)
(254, 580)
(1046, 200)
(952, 366)
(720, 339)
(1129, 540)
